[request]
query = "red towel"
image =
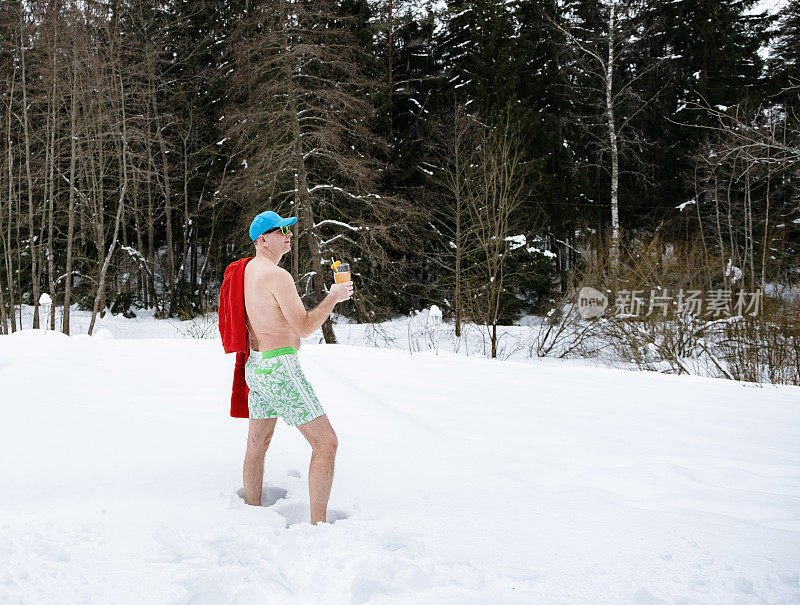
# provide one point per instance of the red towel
(233, 329)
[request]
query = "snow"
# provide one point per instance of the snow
(766, 7)
(336, 223)
(770, 7)
(732, 271)
(515, 241)
(547, 253)
(458, 479)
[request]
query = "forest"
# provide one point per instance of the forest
(488, 157)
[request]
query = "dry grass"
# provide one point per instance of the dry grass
(764, 348)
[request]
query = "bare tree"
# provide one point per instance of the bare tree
(495, 191)
(24, 43)
(73, 152)
(8, 23)
(118, 134)
(746, 156)
(301, 138)
(454, 148)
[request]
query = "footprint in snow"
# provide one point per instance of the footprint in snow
(269, 495)
(297, 512)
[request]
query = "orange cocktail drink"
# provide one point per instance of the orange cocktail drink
(341, 273)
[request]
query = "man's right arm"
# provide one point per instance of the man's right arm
(301, 321)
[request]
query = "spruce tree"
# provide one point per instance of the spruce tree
(545, 116)
(784, 63)
(479, 55)
(713, 49)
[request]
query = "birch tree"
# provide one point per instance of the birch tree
(605, 78)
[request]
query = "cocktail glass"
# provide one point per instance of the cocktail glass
(342, 273)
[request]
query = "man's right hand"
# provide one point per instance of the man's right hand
(342, 292)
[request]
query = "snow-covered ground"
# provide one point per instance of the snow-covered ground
(458, 479)
(411, 334)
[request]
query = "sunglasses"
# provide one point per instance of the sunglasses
(284, 230)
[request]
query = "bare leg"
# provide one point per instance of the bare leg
(320, 473)
(258, 437)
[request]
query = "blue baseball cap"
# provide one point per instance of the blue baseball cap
(266, 221)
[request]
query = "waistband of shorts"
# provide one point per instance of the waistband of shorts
(274, 352)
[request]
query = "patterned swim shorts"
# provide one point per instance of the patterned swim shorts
(278, 387)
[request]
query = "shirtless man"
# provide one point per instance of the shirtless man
(276, 320)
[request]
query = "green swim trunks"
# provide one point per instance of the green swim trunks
(278, 387)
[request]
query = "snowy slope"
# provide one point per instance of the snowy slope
(458, 480)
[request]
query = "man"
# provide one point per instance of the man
(276, 320)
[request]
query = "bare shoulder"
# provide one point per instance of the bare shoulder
(283, 273)
(282, 278)
(268, 275)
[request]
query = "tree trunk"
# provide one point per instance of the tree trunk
(750, 245)
(150, 296)
(765, 237)
(71, 213)
(141, 272)
(150, 299)
(120, 205)
(170, 286)
(612, 138)
(31, 232)
(459, 201)
(389, 45)
(457, 293)
(186, 227)
(7, 239)
(296, 248)
(307, 212)
(193, 252)
(51, 188)
(3, 316)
